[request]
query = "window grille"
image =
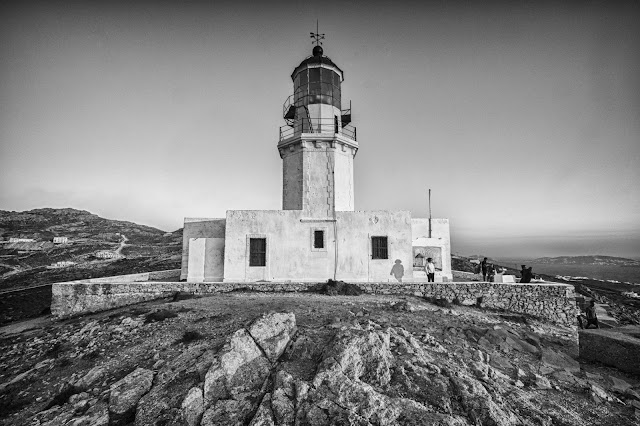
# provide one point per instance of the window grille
(257, 251)
(379, 248)
(318, 239)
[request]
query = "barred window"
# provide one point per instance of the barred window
(379, 248)
(318, 239)
(257, 251)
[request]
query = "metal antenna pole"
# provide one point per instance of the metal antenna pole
(429, 212)
(317, 37)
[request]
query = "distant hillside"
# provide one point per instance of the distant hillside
(137, 248)
(586, 260)
(44, 224)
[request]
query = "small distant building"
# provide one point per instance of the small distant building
(60, 240)
(21, 240)
(63, 264)
(106, 254)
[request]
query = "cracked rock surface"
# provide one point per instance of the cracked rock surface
(306, 360)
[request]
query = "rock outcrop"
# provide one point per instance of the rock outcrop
(347, 362)
(126, 394)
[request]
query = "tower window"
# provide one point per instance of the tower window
(318, 239)
(257, 251)
(379, 248)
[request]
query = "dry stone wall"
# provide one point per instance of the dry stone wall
(552, 301)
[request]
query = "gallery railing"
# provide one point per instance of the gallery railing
(316, 125)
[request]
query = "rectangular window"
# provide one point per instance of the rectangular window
(314, 75)
(318, 239)
(379, 248)
(257, 251)
(326, 76)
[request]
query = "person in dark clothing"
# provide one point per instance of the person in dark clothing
(526, 274)
(592, 318)
(483, 265)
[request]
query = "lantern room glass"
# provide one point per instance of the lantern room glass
(317, 85)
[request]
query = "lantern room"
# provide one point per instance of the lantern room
(316, 103)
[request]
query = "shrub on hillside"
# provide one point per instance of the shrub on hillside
(334, 288)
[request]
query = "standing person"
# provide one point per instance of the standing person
(430, 269)
(592, 318)
(526, 274)
(491, 272)
(483, 265)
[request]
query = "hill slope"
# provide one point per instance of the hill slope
(135, 248)
(587, 260)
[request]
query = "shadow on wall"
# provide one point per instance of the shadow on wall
(398, 270)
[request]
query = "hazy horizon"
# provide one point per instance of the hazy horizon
(523, 119)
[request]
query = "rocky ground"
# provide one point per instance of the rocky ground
(364, 360)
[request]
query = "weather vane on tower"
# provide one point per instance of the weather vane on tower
(317, 36)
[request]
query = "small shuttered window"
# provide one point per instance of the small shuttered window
(379, 248)
(257, 252)
(318, 239)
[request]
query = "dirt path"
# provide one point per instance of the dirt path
(123, 243)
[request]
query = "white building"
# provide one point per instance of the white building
(318, 234)
(106, 254)
(60, 240)
(21, 240)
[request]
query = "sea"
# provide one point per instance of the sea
(604, 273)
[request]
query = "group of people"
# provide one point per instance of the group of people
(489, 271)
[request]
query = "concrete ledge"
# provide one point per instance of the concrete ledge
(550, 301)
(617, 347)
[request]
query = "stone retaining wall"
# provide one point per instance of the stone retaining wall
(551, 301)
(618, 347)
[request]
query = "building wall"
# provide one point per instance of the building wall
(290, 252)
(440, 237)
(313, 168)
(343, 177)
(209, 265)
(318, 159)
(355, 230)
(292, 178)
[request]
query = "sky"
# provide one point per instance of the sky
(523, 118)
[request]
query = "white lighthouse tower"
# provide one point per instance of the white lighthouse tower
(318, 144)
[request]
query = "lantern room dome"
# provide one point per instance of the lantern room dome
(317, 59)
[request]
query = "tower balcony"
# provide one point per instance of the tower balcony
(324, 126)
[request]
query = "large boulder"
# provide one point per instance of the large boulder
(347, 388)
(272, 332)
(240, 368)
(125, 395)
(235, 382)
(264, 415)
(174, 380)
(193, 407)
(92, 377)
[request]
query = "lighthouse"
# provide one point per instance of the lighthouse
(318, 234)
(318, 143)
